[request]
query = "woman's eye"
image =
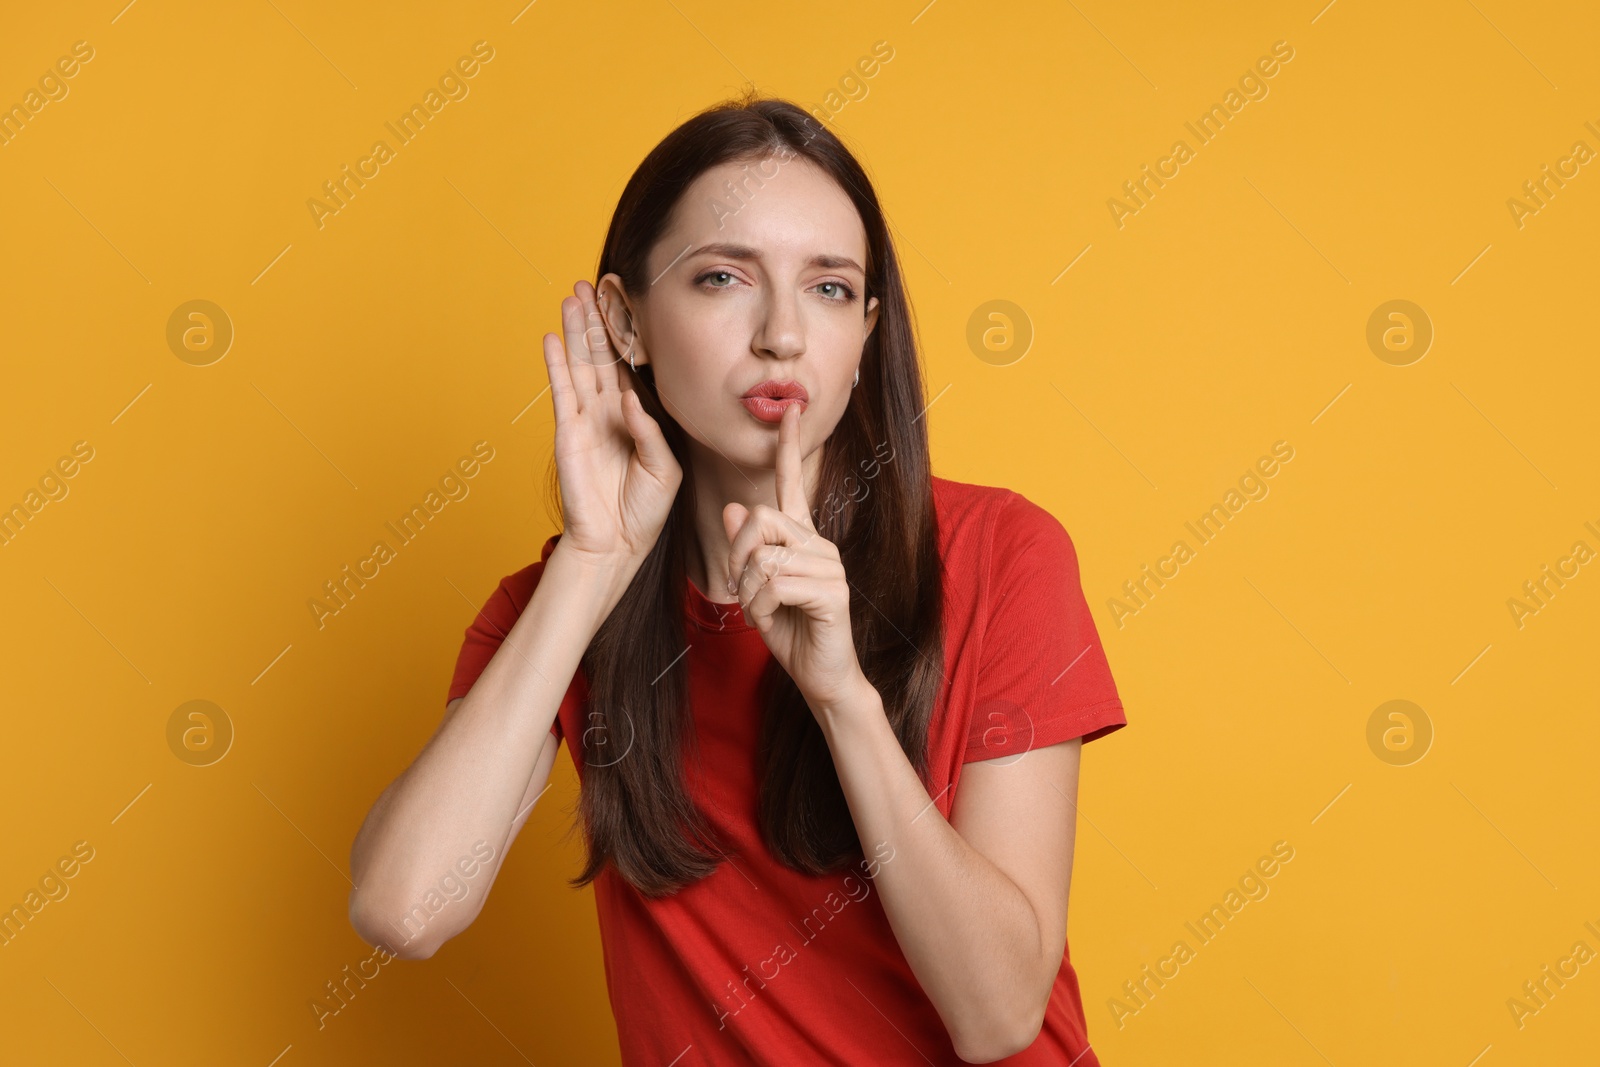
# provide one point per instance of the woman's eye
(836, 292)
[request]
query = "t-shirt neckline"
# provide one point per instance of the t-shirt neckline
(710, 615)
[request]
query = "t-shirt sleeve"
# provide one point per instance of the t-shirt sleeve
(489, 628)
(1042, 676)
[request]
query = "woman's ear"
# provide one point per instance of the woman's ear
(872, 318)
(621, 322)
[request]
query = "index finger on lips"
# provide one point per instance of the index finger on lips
(790, 474)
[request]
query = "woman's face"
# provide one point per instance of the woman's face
(765, 286)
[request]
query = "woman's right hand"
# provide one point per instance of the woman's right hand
(617, 474)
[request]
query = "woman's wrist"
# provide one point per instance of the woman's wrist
(602, 579)
(860, 703)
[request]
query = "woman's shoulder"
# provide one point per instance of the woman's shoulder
(975, 515)
(991, 528)
(961, 499)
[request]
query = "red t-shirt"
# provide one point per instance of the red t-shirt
(749, 965)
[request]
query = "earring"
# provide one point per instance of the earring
(858, 378)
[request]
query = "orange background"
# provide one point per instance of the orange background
(1229, 313)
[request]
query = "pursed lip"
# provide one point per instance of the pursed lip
(785, 389)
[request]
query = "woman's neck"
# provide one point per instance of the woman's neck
(718, 483)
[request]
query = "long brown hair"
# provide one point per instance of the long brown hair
(874, 503)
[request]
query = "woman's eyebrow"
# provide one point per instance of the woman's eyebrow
(737, 251)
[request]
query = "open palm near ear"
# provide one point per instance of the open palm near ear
(791, 583)
(618, 476)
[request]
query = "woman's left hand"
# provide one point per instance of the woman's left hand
(791, 583)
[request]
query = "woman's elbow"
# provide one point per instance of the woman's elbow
(999, 1042)
(373, 923)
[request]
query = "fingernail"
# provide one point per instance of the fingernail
(733, 586)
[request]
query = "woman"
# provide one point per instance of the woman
(826, 708)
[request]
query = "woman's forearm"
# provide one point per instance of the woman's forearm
(466, 784)
(968, 932)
